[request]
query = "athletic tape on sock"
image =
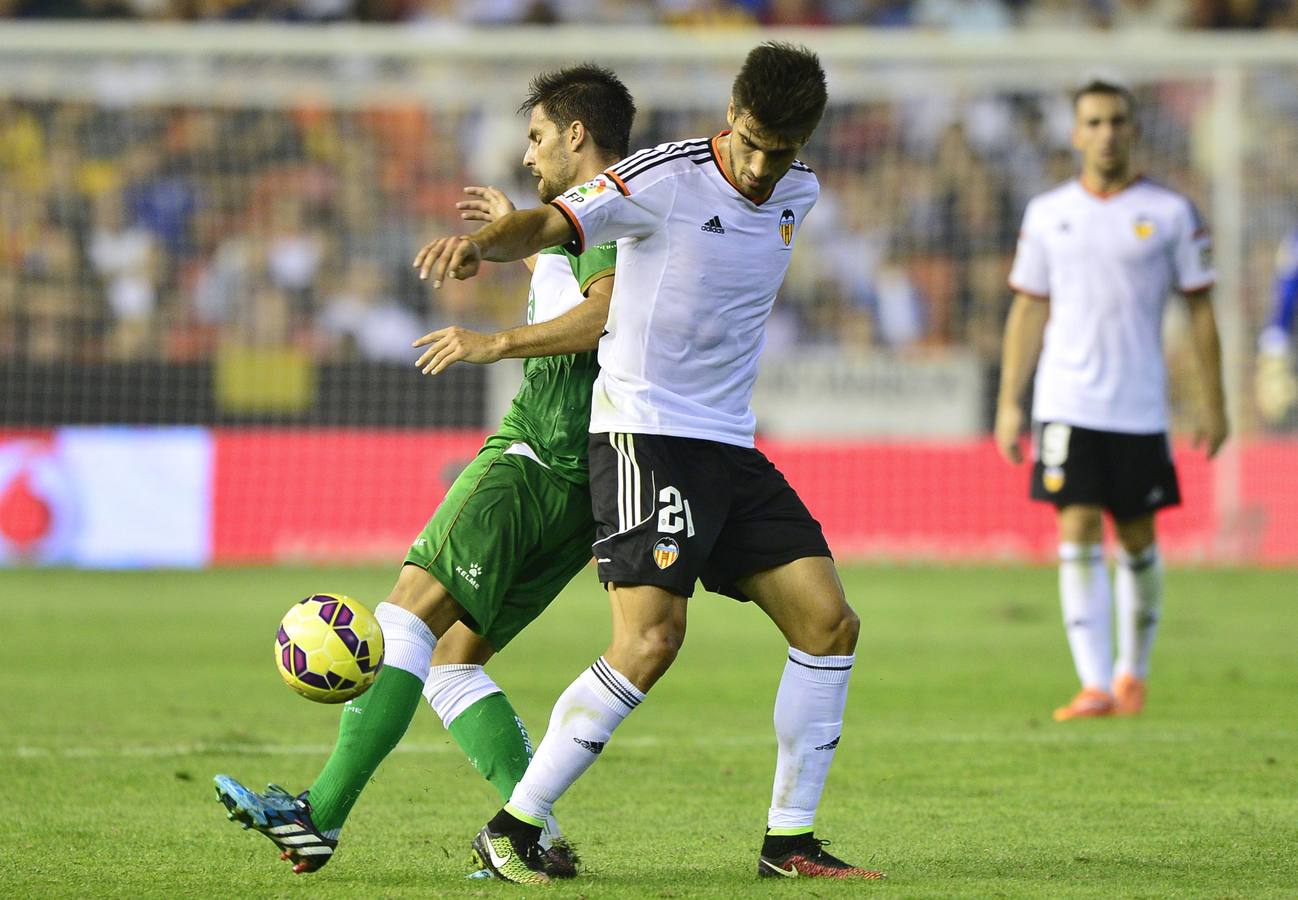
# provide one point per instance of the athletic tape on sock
(450, 690)
(407, 642)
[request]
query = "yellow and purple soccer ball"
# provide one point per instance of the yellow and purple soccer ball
(328, 648)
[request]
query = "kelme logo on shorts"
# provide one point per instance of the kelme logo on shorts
(665, 552)
(471, 575)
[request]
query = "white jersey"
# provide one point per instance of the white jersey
(698, 268)
(1107, 265)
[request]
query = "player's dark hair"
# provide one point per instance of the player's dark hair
(591, 95)
(1108, 88)
(782, 87)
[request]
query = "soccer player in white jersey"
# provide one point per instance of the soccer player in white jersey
(1096, 260)
(705, 229)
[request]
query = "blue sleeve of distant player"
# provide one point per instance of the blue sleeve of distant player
(1286, 299)
(1277, 335)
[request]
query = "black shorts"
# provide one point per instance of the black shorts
(1130, 475)
(672, 510)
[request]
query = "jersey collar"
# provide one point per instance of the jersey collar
(1109, 195)
(717, 159)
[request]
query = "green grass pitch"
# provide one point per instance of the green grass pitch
(127, 692)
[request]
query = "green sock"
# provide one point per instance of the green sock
(492, 736)
(371, 726)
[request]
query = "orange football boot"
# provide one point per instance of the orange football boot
(1129, 692)
(1089, 703)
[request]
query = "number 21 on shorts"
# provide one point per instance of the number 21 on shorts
(674, 515)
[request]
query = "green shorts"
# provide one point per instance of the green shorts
(506, 539)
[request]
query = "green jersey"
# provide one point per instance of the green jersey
(551, 411)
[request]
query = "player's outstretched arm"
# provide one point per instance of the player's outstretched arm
(487, 204)
(1214, 427)
(516, 235)
(576, 330)
(1024, 332)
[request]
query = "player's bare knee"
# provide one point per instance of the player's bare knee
(1136, 535)
(1081, 524)
(658, 648)
(411, 589)
(418, 592)
(844, 633)
(1135, 547)
(850, 631)
(461, 646)
(648, 653)
(834, 634)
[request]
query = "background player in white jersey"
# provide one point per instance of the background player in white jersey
(515, 526)
(705, 230)
(1096, 260)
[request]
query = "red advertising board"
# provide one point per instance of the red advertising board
(188, 497)
(329, 494)
(344, 495)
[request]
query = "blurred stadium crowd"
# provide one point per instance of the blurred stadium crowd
(161, 232)
(958, 15)
(166, 232)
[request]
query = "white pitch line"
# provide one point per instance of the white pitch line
(1055, 737)
(26, 751)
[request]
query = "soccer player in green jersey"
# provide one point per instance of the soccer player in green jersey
(515, 526)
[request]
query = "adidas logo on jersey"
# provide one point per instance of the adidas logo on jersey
(714, 226)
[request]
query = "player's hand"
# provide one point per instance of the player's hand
(1275, 386)
(1212, 432)
(454, 344)
(458, 257)
(488, 204)
(1009, 424)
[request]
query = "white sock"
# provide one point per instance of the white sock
(407, 642)
(808, 723)
(450, 690)
(582, 722)
(1138, 592)
(1084, 596)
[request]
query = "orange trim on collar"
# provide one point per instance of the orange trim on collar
(715, 147)
(1106, 195)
